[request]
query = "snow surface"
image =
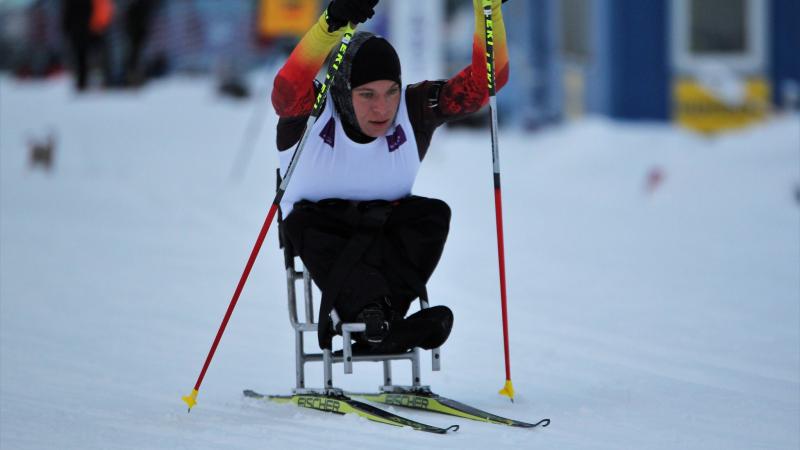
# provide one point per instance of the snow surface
(638, 321)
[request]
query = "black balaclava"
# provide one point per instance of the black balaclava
(369, 58)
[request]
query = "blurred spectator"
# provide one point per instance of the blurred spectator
(85, 24)
(138, 19)
(40, 57)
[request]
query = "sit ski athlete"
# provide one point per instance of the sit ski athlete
(367, 241)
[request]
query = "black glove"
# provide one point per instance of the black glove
(340, 12)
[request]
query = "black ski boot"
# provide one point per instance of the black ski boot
(428, 328)
(375, 317)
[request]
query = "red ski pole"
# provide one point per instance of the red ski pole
(191, 399)
(508, 388)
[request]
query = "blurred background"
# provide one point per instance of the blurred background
(706, 64)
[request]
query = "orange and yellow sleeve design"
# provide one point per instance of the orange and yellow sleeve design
(468, 91)
(293, 88)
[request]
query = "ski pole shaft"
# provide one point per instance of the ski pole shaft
(191, 399)
(508, 389)
(249, 138)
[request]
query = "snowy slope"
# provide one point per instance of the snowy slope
(659, 321)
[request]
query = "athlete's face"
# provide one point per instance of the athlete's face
(375, 105)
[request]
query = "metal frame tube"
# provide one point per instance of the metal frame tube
(327, 363)
(347, 344)
(387, 373)
(308, 295)
(415, 372)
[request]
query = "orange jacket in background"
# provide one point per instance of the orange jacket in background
(102, 13)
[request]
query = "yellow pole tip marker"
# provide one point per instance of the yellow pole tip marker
(191, 399)
(508, 390)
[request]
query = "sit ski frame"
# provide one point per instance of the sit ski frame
(331, 399)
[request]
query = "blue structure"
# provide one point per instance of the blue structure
(626, 59)
(638, 59)
(785, 46)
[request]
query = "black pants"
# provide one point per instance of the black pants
(360, 252)
(90, 50)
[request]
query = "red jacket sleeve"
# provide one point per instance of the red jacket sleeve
(293, 88)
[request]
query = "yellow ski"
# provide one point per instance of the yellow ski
(340, 404)
(426, 400)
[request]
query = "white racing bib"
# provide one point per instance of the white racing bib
(334, 166)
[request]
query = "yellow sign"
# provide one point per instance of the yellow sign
(700, 108)
(278, 18)
(574, 91)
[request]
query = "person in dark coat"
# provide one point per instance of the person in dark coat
(85, 29)
(138, 18)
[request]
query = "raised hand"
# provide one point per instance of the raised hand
(340, 12)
